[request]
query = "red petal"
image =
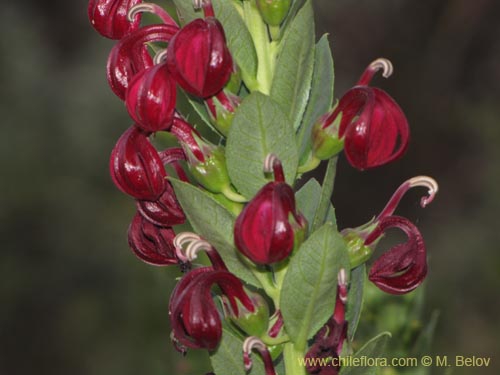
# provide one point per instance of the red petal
(109, 17)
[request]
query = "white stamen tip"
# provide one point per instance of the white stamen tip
(342, 277)
(385, 65)
(139, 8)
(253, 342)
(195, 247)
(427, 182)
(197, 4)
(182, 239)
(160, 56)
(269, 162)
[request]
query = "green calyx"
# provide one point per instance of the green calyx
(253, 323)
(325, 140)
(273, 11)
(212, 173)
(358, 252)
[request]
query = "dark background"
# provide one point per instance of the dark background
(74, 300)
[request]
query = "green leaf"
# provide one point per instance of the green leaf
(227, 359)
(294, 66)
(215, 224)
(186, 11)
(324, 213)
(294, 8)
(307, 200)
(372, 349)
(238, 37)
(259, 128)
(355, 300)
(321, 95)
(310, 286)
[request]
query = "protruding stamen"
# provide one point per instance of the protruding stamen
(198, 4)
(380, 64)
(195, 247)
(160, 57)
(385, 65)
(423, 181)
(182, 239)
(342, 283)
(273, 164)
(151, 8)
(251, 343)
(427, 182)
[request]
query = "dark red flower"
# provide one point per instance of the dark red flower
(110, 17)
(130, 55)
(151, 243)
(199, 59)
(136, 167)
(194, 318)
(329, 341)
(150, 98)
(373, 126)
(404, 267)
(265, 230)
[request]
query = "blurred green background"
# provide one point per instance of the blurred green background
(74, 300)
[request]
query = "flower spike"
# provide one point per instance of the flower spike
(252, 343)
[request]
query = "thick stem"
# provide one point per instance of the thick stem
(266, 50)
(293, 358)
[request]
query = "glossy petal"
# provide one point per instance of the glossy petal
(129, 56)
(136, 167)
(150, 98)
(263, 232)
(152, 244)
(165, 211)
(403, 267)
(194, 317)
(109, 17)
(199, 59)
(374, 127)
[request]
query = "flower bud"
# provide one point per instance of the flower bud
(136, 167)
(152, 244)
(194, 317)
(199, 59)
(221, 110)
(109, 17)
(273, 12)
(265, 230)
(253, 323)
(150, 98)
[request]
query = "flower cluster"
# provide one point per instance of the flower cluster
(250, 262)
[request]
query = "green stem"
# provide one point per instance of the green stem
(326, 194)
(233, 196)
(266, 50)
(293, 360)
(270, 341)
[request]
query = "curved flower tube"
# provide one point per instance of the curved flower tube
(194, 318)
(136, 167)
(254, 343)
(130, 55)
(109, 17)
(150, 243)
(404, 267)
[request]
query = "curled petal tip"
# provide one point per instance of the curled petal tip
(342, 277)
(253, 342)
(182, 239)
(427, 182)
(273, 164)
(198, 4)
(195, 247)
(384, 64)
